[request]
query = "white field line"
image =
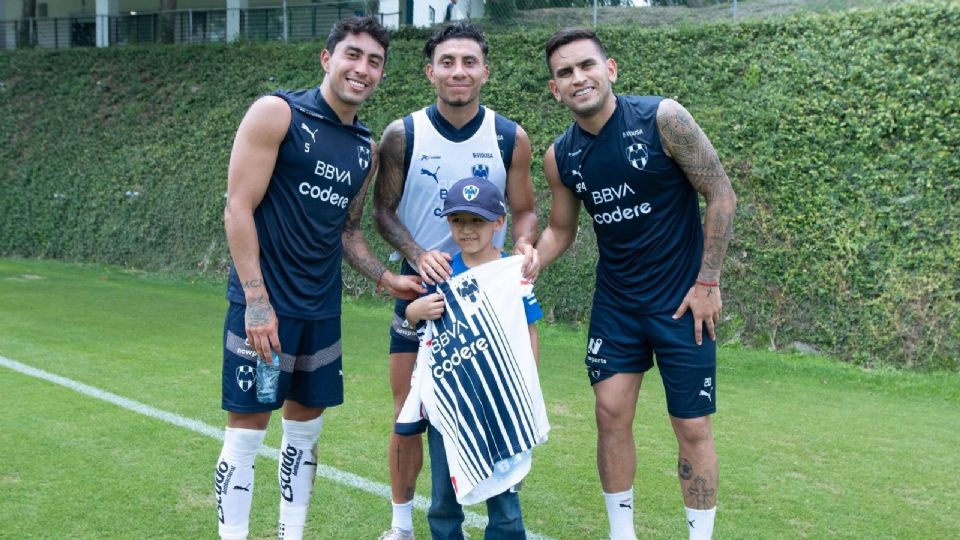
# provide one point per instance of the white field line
(325, 471)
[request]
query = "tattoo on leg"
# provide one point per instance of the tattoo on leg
(703, 495)
(684, 469)
(408, 493)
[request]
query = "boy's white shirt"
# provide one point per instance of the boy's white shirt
(476, 381)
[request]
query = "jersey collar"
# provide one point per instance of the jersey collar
(448, 130)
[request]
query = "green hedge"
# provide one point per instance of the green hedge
(841, 135)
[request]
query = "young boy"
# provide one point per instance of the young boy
(475, 211)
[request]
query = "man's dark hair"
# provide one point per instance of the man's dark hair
(358, 25)
(457, 30)
(567, 36)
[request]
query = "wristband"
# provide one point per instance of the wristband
(708, 283)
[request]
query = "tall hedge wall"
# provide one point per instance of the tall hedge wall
(841, 135)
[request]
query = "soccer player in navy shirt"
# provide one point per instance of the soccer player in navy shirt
(299, 170)
(421, 156)
(638, 165)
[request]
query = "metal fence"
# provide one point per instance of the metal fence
(294, 23)
(313, 21)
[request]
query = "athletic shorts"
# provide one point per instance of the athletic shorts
(310, 364)
(403, 338)
(621, 342)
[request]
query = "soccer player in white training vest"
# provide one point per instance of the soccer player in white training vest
(421, 156)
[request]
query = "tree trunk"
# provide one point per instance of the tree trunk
(168, 18)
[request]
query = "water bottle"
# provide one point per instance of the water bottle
(268, 378)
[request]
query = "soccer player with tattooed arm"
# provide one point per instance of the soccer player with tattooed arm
(299, 171)
(421, 156)
(638, 165)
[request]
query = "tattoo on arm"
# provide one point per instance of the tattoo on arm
(259, 312)
(252, 284)
(355, 248)
(693, 152)
(389, 190)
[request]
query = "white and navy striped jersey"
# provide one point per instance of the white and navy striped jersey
(476, 381)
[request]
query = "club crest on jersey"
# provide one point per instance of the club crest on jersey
(468, 288)
(470, 192)
(363, 156)
(480, 170)
(245, 377)
(637, 155)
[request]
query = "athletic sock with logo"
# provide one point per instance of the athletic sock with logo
(700, 523)
(297, 471)
(620, 515)
(233, 480)
(403, 516)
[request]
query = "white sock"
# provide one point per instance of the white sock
(620, 515)
(403, 516)
(233, 481)
(296, 473)
(700, 523)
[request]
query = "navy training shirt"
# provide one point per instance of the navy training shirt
(645, 212)
(321, 165)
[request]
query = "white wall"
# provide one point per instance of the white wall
(390, 9)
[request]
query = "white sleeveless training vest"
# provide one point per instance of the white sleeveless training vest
(436, 164)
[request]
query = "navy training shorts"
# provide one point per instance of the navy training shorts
(310, 364)
(403, 338)
(623, 342)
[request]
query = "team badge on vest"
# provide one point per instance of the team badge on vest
(245, 377)
(363, 156)
(480, 171)
(637, 155)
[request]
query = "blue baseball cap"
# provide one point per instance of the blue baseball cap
(477, 196)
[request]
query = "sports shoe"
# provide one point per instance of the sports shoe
(396, 533)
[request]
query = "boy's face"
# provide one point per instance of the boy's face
(471, 232)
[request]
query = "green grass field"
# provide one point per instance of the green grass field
(809, 448)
